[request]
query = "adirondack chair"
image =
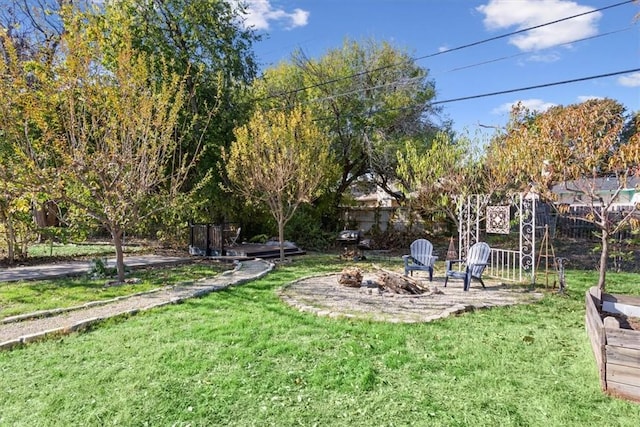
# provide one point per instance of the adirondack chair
(477, 260)
(421, 258)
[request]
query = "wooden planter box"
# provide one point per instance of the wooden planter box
(616, 350)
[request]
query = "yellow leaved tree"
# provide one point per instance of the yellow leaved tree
(279, 159)
(120, 154)
(27, 129)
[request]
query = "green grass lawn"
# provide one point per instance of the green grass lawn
(240, 357)
(31, 296)
(75, 250)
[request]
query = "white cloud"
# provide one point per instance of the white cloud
(632, 80)
(537, 105)
(260, 15)
(299, 18)
(517, 15)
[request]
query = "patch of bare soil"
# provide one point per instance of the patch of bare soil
(585, 255)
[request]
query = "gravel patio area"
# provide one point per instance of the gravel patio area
(324, 296)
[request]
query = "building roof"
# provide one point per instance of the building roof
(604, 184)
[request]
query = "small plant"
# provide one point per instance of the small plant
(260, 238)
(99, 269)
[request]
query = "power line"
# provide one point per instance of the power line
(582, 79)
(362, 73)
(490, 61)
(404, 82)
(485, 95)
(523, 30)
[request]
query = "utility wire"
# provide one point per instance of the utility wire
(490, 61)
(485, 95)
(563, 82)
(523, 30)
(417, 79)
(446, 51)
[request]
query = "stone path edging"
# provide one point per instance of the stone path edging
(28, 328)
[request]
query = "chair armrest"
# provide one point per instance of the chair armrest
(479, 264)
(408, 258)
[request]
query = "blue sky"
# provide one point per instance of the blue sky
(425, 27)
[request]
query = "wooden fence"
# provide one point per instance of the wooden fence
(206, 239)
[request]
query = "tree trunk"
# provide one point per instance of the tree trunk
(604, 255)
(39, 219)
(116, 234)
(398, 284)
(11, 239)
(281, 238)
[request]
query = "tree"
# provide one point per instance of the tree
(35, 26)
(370, 97)
(435, 177)
(25, 136)
(279, 158)
(206, 42)
(119, 154)
(203, 40)
(574, 146)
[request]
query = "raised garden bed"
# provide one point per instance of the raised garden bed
(610, 322)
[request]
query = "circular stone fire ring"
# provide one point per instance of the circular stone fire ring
(324, 296)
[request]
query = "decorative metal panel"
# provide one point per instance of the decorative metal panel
(498, 219)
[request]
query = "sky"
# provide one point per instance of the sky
(435, 32)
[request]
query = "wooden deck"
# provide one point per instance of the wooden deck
(252, 250)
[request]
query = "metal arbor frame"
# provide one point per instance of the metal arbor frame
(507, 264)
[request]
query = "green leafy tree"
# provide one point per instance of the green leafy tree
(206, 42)
(121, 158)
(436, 177)
(574, 146)
(369, 97)
(279, 159)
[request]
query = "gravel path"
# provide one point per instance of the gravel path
(20, 330)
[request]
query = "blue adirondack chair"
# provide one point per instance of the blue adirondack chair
(477, 260)
(421, 258)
